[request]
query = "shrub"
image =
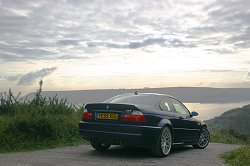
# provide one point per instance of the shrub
(37, 123)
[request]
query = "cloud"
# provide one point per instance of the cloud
(219, 71)
(231, 18)
(13, 78)
(139, 44)
(247, 76)
(147, 42)
(67, 42)
(68, 57)
(46, 30)
(221, 51)
(172, 42)
(32, 76)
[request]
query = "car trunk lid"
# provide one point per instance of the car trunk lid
(113, 113)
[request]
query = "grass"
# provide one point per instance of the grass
(227, 138)
(238, 157)
(37, 124)
(35, 145)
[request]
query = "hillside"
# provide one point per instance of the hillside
(236, 119)
(185, 94)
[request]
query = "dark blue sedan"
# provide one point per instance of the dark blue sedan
(154, 121)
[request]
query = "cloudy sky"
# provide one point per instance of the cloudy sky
(82, 44)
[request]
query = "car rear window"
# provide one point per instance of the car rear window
(140, 99)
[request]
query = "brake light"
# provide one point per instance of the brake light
(135, 116)
(86, 114)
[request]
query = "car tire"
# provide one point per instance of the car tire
(99, 146)
(164, 143)
(204, 139)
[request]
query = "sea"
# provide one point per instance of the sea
(208, 111)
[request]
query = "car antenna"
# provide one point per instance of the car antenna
(136, 93)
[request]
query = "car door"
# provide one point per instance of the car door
(186, 129)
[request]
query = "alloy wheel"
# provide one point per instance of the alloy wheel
(166, 141)
(204, 138)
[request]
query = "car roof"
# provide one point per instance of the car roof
(156, 95)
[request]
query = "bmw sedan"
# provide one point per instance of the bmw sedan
(154, 121)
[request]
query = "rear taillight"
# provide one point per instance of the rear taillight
(135, 116)
(86, 114)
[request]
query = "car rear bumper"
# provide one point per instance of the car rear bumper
(133, 135)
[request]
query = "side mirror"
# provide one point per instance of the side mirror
(194, 114)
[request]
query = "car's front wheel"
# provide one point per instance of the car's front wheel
(99, 146)
(164, 143)
(203, 139)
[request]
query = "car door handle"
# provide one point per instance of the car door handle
(180, 117)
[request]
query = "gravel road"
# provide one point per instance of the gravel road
(85, 155)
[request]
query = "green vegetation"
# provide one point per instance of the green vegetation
(229, 137)
(232, 127)
(37, 124)
(236, 119)
(239, 157)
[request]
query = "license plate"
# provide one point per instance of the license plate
(108, 116)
